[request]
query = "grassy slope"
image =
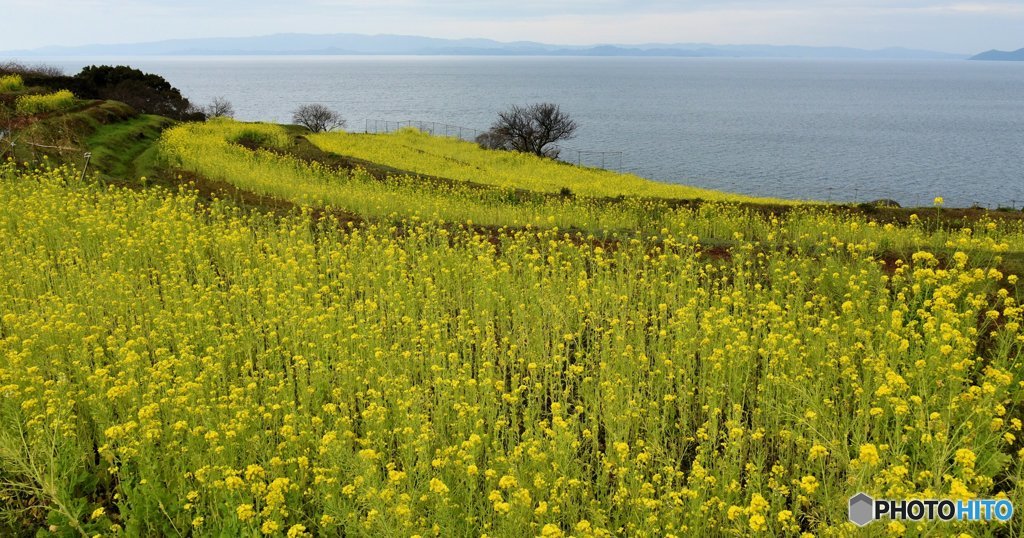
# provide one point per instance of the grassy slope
(62, 136)
(126, 149)
(830, 276)
(207, 150)
(123, 146)
(122, 141)
(457, 159)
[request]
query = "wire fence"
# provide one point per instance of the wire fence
(608, 160)
(432, 127)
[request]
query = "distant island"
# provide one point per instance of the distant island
(1001, 56)
(358, 44)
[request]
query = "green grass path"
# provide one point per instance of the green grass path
(127, 150)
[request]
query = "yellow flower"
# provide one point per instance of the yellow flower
(551, 531)
(253, 471)
(437, 486)
(868, 454)
(818, 451)
(97, 513)
(758, 523)
(939, 201)
(809, 484)
(758, 503)
(958, 490)
(966, 458)
(245, 512)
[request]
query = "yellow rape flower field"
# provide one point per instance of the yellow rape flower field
(454, 158)
(461, 361)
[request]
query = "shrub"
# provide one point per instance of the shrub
(11, 83)
(146, 92)
(28, 105)
(257, 137)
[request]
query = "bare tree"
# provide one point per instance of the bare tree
(317, 118)
(532, 129)
(220, 107)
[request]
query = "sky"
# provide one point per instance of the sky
(941, 25)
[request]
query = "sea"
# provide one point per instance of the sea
(832, 130)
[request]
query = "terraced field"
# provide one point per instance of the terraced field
(421, 153)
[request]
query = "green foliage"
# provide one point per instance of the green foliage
(11, 83)
(29, 105)
(260, 137)
(146, 92)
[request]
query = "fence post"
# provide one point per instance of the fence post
(88, 157)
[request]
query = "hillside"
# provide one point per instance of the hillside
(457, 159)
(1001, 56)
(280, 334)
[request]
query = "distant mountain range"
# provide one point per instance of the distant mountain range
(358, 44)
(1001, 56)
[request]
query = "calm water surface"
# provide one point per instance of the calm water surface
(839, 130)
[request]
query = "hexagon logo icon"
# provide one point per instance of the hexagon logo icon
(862, 509)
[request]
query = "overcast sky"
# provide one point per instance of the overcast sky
(951, 26)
